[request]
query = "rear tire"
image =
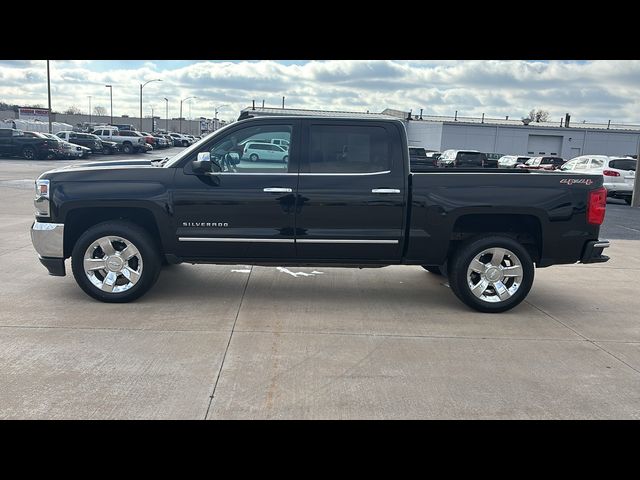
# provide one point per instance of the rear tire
(127, 148)
(285, 159)
(253, 157)
(146, 261)
(507, 277)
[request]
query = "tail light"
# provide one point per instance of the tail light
(597, 206)
(610, 173)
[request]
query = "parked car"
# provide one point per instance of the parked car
(14, 142)
(88, 140)
(284, 143)
(353, 202)
(462, 159)
(130, 141)
(543, 163)
(618, 173)
(418, 158)
(512, 161)
(160, 141)
(180, 140)
(69, 151)
(255, 151)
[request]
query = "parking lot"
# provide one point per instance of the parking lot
(221, 342)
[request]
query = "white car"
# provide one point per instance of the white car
(282, 142)
(255, 151)
(69, 150)
(618, 172)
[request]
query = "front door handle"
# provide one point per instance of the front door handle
(277, 190)
(385, 190)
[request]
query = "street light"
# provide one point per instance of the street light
(141, 87)
(89, 110)
(167, 115)
(183, 100)
(111, 95)
(215, 116)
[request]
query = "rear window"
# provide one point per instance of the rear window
(418, 152)
(470, 158)
(624, 164)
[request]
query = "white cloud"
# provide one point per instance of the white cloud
(595, 91)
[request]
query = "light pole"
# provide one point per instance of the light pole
(215, 116)
(49, 94)
(167, 115)
(111, 96)
(184, 99)
(89, 110)
(141, 87)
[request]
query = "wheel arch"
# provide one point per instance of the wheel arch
(524, 228)
(78, 220)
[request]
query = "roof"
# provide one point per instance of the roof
(260, 112)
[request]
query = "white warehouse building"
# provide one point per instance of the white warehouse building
(515, 138)
(500, 136)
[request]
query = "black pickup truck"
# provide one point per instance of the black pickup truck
(343, 196)
(14, 142)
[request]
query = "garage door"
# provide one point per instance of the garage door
(544, 145)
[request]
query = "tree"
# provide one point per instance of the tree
(537, 115)
(72, 111)
(99, 110)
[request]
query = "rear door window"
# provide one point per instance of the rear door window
(348, 149)
(596, 163)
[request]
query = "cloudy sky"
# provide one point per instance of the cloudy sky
(593, 91)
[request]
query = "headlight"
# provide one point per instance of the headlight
(41, 201)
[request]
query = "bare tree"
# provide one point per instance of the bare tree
(537, 115)
(72, 111)
(99, 110)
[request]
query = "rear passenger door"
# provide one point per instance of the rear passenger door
(351, 192)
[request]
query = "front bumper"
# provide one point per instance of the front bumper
(48, 241)
(593, 252)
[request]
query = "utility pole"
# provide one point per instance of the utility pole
(111, 95)
(184, 99)
(89, 110)
(141, 87)
(49, 93)
(167, 115)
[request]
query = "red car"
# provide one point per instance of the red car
(148, 138)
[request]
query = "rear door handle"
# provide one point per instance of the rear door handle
(277, 190)
(385, 190)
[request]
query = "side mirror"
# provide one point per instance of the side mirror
(203, 164)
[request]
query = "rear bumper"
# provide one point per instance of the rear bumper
(593, 252)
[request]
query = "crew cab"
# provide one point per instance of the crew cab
(345, 197)
(130, 141)
(14, 142)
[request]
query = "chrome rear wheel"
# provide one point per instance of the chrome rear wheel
(495, 275)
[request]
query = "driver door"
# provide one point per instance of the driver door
(245, 211)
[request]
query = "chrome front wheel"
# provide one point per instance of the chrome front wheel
(113, 264)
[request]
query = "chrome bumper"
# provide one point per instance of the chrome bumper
(48, 239)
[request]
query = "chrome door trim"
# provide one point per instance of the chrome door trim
(231, 239)
(325, 240)
(385, 190)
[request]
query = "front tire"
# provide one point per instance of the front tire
(253, 157)
(28, 153)
(491, 274)
(115, 262)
